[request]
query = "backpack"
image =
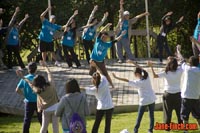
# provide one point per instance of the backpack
(76, 124)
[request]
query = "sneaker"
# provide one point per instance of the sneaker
(120, 61)
(57, 64)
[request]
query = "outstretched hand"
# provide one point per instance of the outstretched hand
(75, 12)
(17, 9)
(26, 15)
(121, 2)
(181, 19)
(96, 7)
(106, 14)
(169, 13)
(19, 74)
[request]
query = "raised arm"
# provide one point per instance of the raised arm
(119, 78)
(23, 21)
(70, 19)
(142, 15)
(105, 27)
(42, 16)
(150, 64)
(13, 17)
(180, 20)
(92, 14)
(50, 77)
(103, 20)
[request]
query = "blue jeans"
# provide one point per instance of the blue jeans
(141, 111)
(30, 108)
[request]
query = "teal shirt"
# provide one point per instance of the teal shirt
(100, 49)
(48, 30)
(29, 95)
(69, 38)
(89, 34)
(125, 26)
(13, 37)
(197, 31)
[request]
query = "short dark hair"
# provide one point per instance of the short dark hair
(32, 67)
(172, 65)
(194, 61)
(72, 86)
(142, 72)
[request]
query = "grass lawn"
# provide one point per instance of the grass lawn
(13, 124)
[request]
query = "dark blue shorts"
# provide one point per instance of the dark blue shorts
(46, 46)
(190, 106)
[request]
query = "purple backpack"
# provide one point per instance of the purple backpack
(76, 124)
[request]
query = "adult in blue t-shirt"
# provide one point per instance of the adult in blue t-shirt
(12, 39)
(89, 31)
(68, 41)
(46, 35)
(125, 23)
(30, 101)
(196, 48)
(99, 52)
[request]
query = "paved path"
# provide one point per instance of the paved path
(11, 102)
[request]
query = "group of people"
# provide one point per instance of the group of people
(41, 96)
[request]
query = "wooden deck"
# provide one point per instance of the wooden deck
(123, 95)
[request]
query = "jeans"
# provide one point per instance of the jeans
(30, 108)
(99, 116)
(74, 58)
(124, 43)
(15, 50)
(141, 111)
(88, 45)
(162, 43)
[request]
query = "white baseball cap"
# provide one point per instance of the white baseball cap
(126, 13)
(52, 16)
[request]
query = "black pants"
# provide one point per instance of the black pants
(74, 58)
(30, 108)
(14, 49)
(170, 102)
(162, 43)
(88, 45)
(99, 116)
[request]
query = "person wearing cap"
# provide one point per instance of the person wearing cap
(30, 101)
(166, 26)
(46, 35)
(196, 36)
(89, 31)
(125, 23)
(12, 39)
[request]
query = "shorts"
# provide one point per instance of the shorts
(188, 106)
(46, 46)
(100, 66)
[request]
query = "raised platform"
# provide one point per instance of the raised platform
(125, 98)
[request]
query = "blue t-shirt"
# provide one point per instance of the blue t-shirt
(197, 31)
(68, 39)
(29, 95)
(125, 26)
(13, 37)
(100, 49)
(89, 34)
(47, 31)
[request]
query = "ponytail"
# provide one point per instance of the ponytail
(96, 79)
(142, 72)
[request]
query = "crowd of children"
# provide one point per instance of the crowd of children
(181, 83)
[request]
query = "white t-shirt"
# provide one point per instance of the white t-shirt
(172, 80)
(145, 91)
(102, 95)
(191, 82)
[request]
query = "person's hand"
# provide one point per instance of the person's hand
(123, 32)
(75, 12)
(19, 74)
(1, 23)
(150, 63)
(147, 13)
(26, 16)
(49, 8)
(169, 13)
(95, 7)
(181, 19)
(1, 10)
(106, 14)
(121, 2)
(17, 9)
